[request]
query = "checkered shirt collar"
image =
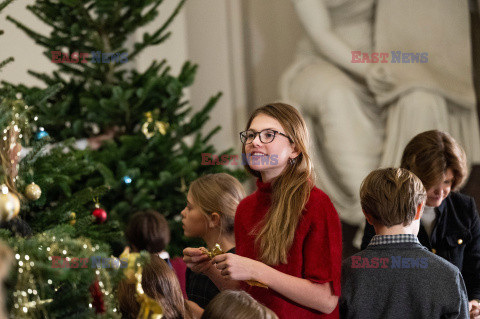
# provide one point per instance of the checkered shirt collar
(393, 239)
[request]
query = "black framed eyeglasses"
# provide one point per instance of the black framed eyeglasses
(266, 136)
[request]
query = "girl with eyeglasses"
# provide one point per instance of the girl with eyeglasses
(288, 233)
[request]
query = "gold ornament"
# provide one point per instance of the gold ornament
(159, 126)
(9, 205)
(217, 250)
(33, 191)
(73, 218)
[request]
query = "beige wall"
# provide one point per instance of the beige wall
(28, 55)
(242, 48)
(215, 43)
(272, 32)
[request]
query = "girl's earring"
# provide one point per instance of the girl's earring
(292, 161)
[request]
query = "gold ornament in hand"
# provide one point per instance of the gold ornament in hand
(217, 250)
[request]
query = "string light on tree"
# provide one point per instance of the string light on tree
(41, 133)
(127, 179)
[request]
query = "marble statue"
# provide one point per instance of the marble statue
(370, 75)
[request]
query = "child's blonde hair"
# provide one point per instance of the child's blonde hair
(391, 196)
(291, 189)
(230, 304)
(218, 193)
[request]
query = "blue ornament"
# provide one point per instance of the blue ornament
(127, 179)
(41, 135)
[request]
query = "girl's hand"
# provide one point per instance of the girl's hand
(235, 267)
(196, 260)
(474, 308)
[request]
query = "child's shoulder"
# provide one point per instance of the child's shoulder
(248, 201)
(320, 208)
(440, 263)
(318, 199)
(318, 194)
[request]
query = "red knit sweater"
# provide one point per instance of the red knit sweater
(316, 253)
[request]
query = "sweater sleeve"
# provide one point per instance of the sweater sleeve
(239, 231)
(460, 301)
(323, 244)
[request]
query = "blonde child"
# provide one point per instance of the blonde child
(211, 203)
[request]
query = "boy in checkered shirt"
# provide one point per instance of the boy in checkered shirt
(395, 276)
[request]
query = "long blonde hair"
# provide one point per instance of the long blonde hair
(290, 190)
(220, 193)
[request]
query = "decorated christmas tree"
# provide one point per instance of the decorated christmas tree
(146, 145)
(45, 220)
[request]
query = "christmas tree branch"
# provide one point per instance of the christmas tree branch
(5, 3)
(40, 39)
(6, 61)
(156, 38)
(41, 16)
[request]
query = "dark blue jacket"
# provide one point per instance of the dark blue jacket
(455, 237)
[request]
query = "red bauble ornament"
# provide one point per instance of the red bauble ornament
(100, 214)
